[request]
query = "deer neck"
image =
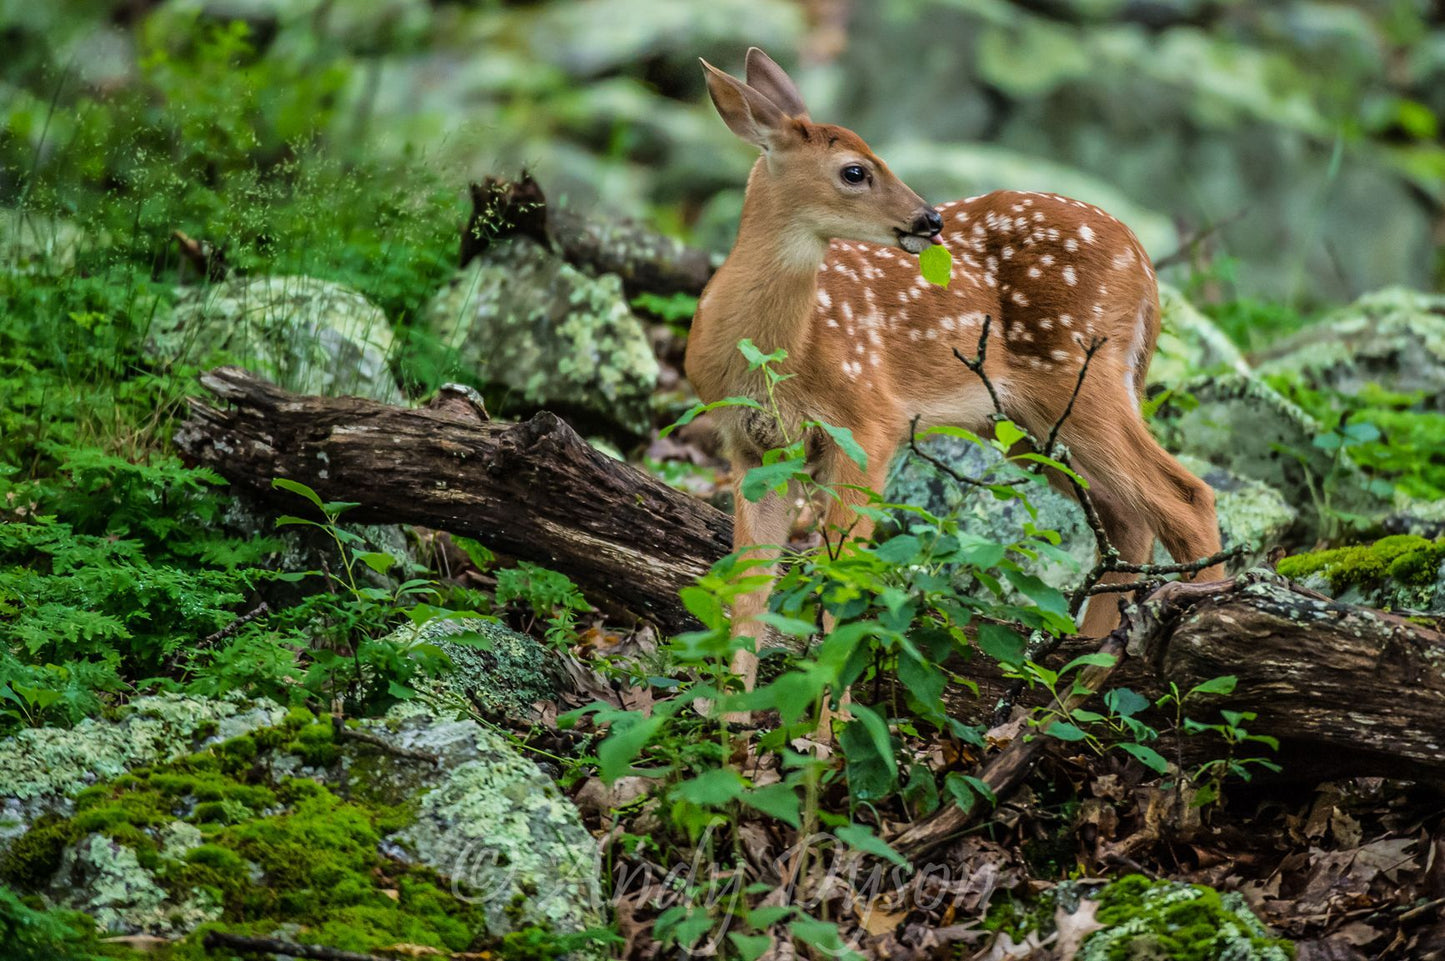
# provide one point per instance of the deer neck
(765, 291)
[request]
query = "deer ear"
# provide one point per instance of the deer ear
(747, 112)
(769, 79)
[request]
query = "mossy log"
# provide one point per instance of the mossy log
(533, 490)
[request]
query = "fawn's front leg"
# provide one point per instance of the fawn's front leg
(760, 529)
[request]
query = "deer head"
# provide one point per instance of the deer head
(836, 187)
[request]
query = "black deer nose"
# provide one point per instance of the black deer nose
(928, 222)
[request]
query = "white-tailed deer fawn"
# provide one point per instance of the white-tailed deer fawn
(822, 267)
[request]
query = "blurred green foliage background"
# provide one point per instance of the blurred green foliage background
(1310, 130)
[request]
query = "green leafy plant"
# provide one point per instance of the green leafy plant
(547, 595)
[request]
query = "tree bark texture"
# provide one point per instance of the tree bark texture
(1348, 691)
(533, 490)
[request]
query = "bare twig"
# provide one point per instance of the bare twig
(260, 610)
(1157, 570)
(1195, 238)
(947, 469)
(975, 364)
(1089, 352)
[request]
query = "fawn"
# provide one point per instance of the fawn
(822, 267)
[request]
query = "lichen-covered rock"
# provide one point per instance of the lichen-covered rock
(1190, 344)
(1392, 338)
(1250, 512)
(1397, 573)
(306, 335)
(540, 333)
(1243, 425)
(32, 243)
(46, 766)
(493, 667)
(496, 824)
(421, 830)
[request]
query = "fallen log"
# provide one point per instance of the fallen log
(1346, 690)
(533, 490)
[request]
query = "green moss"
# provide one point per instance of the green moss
(291, 852)
(33, 858)
(1183, 922)
(1403, 558)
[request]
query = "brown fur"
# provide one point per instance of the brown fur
(870, 344)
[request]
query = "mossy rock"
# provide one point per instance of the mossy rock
(306, 335)
(1180, 922)
(493, 667)
(1251, 513)
(330, 839)
(1190, 344)
(1238, 422)
(536, 332)
(1402, 572)
(1392, 339)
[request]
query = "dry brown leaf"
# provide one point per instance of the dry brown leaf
(1074, 927)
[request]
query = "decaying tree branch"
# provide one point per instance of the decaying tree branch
(1346, 690)
(533, 490)
(645, 259)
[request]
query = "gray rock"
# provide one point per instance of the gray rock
(540, 333)
(46, 766)
(496, 669)
(306, 335)
(1243, 425)
(1190, 344)
(1392, 338)
(482, 816)
(1250, 513)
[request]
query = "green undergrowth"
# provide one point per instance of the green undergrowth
(1407, 443)
(1403, 558)
(258, 851)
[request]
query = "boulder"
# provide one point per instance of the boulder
(1241, 424)
(1392, 339)
(538, 333)
(494, 668)
(413, 828)
(307, 335)
(1250, 512)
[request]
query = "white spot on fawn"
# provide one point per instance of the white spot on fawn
(1035, 273)
(1070, 277)
(1086, 233)
(823, 298)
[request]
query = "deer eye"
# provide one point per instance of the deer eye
(853, 174)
